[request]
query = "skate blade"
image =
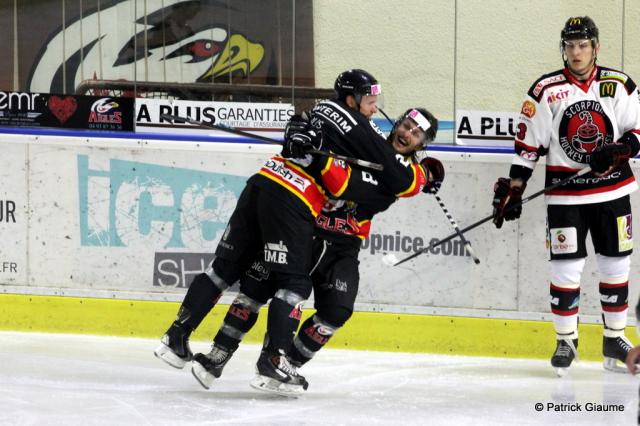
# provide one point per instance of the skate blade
(611, 364)
(269, 385)
(165, 353)
(202, 375)
(562, 371)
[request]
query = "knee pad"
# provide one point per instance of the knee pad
(613, 270)
(566, 273)
(293, 283)
(333, 316)
(223, 273)
(289, 297)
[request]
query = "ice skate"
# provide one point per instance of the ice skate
(566, 351)
(615, 349)
(207, 368)
(174, 347)
(275, 374)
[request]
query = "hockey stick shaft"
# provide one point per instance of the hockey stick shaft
(386, 116)
(351, 160)
(466, 242)
(488, 218)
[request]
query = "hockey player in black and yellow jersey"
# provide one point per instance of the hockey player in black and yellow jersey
(273, 223)
(340, 229)
(582, 115)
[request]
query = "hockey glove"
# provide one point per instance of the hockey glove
(609, 157)
(506, 201)
(435, 169)
(298, 123)
(297, 145)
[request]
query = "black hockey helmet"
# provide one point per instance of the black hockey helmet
(580, 27)
(357, 83)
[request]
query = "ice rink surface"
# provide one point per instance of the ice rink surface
(73, 380)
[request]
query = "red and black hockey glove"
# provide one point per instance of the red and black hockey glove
(609, 157)
(436, 170)
(505, 199)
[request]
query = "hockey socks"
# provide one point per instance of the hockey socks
(312, 336)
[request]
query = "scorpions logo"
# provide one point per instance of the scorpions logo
(584, 128)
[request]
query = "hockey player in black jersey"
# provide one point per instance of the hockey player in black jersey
(582, 115)
(273, 222)
(340, 229)
(283, 241)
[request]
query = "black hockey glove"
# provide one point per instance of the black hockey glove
(297, 145)
(505, 197)
(298, 123)
(434, 168)
(609, 157)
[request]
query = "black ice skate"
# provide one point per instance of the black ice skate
(207, 368)
(566, 351)
(174, 346)
(276, 374)
(615, 349)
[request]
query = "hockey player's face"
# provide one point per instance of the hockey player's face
(580, 56)
(408, 137)
(369, 105)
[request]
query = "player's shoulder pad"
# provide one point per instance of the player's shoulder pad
(610, 75)
(336, 114)
(548, 80)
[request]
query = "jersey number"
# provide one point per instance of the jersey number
(522, 131)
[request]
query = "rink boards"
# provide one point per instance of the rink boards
(107, 231)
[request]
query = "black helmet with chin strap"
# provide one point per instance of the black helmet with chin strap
(357, 83)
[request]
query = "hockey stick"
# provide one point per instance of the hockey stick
(488, 218)
(387, 117)
(356, 161)
(466, 242)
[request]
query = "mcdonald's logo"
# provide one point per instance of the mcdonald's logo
(608, 90)
(575, 21)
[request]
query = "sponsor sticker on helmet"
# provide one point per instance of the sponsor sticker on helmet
(420, 119)
(376, 89)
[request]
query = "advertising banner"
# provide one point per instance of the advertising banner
(139, 220)
(485, 128)
(13, 214)
(22, 109)
(265, 119)
(60, 44)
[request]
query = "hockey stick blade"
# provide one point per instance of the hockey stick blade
(351, 160)
(488, 218)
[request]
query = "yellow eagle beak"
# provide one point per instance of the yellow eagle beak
(238, 54)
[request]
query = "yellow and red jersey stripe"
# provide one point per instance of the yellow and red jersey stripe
(296, 180)
(419, 181)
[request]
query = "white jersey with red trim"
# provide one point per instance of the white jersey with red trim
(567, 120)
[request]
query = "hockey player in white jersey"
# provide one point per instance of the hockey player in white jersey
(582, 115)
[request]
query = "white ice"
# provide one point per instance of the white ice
(72, 380)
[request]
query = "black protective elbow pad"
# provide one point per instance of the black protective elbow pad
(520, 172)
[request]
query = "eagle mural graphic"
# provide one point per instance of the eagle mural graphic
(173, 41)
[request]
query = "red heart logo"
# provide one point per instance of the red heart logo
(62, 108)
